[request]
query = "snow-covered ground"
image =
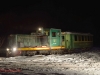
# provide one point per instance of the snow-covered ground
(87, 63)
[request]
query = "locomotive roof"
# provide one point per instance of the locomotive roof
(76, 33)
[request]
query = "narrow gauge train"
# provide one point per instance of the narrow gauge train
(47, 41)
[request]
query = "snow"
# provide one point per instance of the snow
(87, 63)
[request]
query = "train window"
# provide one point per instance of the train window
(48, 33)
(62, 38)
(53, 34)
(75, 37)
(82, 38)
(79, 37)
(88, 38)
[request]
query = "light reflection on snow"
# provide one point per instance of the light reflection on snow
(70, 64)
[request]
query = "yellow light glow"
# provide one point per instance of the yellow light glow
(7, 49)
(40, 29)
(43, 46)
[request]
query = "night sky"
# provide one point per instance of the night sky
(22, 17)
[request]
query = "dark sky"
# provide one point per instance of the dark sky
(24, 17)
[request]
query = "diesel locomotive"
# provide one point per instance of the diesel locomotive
(45, 41)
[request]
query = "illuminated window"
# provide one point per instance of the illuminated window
(53, 34)
(46, 33)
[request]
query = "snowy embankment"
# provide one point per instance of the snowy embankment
(87, 63)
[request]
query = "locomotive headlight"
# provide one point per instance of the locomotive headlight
(7, 49)
(14, 49)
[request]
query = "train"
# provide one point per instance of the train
(45, 41)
